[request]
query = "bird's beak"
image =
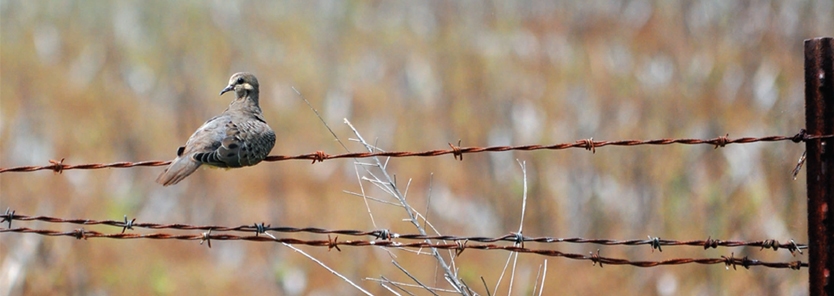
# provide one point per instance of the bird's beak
(228, 88)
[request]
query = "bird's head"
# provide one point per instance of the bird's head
(243, 84)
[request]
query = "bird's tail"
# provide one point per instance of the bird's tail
(180, 168)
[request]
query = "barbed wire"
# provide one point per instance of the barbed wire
(58, 166)
(459, 247)
(384, 234)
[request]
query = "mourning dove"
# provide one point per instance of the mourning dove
(237, 137)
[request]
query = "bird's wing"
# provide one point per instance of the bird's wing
(244, 141)
(256, 141)
(225, 148)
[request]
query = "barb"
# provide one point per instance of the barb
(319, 156)
(387, 235)
(594, 258)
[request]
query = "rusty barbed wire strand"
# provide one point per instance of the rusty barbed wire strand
(335, 243)
(385, 234)
(457, 151)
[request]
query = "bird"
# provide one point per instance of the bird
(238, 137)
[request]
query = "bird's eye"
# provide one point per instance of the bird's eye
(240, 80)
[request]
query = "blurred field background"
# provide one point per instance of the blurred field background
(106, 81)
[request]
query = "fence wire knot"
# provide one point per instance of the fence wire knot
(589, 145)
(722, 141)
(746, 262)
(456, 152)
(206, 237)
(80, 233)
(128, 224)
(770, 244)
(319, 156)
(333, 243)
(461, 247)
(710, 243)
(655, 243)
(519, 238)
(794, 248)
(796, 265)
(383, 234)
(57, 166)
(729, 261)
(595, 258)
(261, 228)
(8, 216)
(800, 136)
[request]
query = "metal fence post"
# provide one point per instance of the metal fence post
(819, 120)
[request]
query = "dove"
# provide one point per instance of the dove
(238, 137)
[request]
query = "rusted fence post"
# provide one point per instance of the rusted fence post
(819, 120)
